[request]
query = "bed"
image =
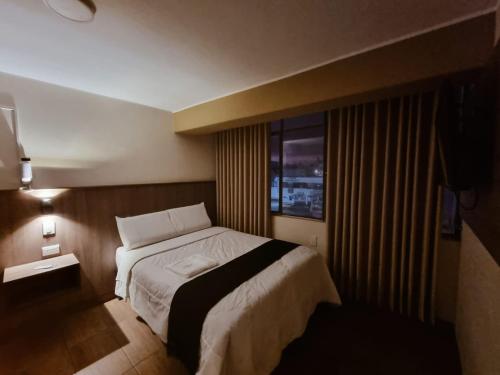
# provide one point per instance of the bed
(246, 331)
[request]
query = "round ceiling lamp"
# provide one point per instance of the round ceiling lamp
(74, 10)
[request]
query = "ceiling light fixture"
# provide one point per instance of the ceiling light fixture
(74, 10)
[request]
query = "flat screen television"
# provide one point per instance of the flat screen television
(465, 123)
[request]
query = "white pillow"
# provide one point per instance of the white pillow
(141, 230)
(190, 218)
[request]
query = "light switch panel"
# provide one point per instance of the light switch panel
(50, 250)
(48, 228)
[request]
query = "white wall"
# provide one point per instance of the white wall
(478, 308)
(80, 139)
(301, 231)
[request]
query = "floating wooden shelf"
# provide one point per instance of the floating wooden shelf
(39, 267)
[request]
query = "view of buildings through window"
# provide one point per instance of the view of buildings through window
(297, 166)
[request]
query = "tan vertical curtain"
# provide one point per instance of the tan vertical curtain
(243, 179)
(384, 211)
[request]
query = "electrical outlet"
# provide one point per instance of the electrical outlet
(50, 250)
(313, 241)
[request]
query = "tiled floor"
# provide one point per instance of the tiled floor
(350, 340)
(106, 339)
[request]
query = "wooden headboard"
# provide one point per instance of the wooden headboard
(85, 225)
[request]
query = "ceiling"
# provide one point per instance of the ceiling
(172, 54)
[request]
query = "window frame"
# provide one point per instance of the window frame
(281, 133)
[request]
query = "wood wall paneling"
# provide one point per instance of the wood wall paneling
(85, 225)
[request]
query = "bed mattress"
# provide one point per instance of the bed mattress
(245, 332)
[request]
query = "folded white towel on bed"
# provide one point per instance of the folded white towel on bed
(193, 265)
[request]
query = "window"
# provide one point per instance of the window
(298, 166)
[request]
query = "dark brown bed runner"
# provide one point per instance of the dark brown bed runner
(194, 299)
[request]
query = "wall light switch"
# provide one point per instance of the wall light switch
(50, 250)
(48, 228)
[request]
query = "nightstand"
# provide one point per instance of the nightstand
(39, 267)
(32, 281)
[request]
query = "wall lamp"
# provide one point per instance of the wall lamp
(47, 207)
(26, 173)
(46, 197)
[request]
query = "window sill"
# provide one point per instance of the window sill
(298, 217)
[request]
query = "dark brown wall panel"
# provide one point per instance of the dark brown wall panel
(85, 225)
(484, 219)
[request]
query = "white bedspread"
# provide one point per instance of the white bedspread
(126, 260)
(247, 330)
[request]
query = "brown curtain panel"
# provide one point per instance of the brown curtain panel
(385, 199)
(243, 179)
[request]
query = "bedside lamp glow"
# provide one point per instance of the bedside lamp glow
(45, 193)
(47, 209)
